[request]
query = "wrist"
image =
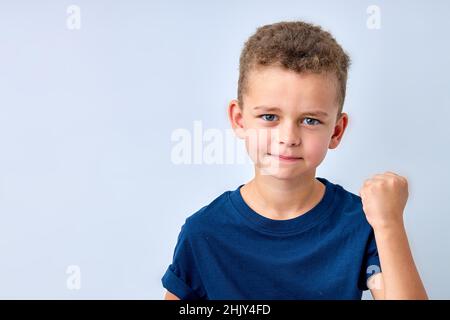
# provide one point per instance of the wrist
(388, 226)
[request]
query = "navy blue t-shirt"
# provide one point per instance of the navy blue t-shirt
(226, 250)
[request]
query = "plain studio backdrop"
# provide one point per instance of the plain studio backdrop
(92, 92)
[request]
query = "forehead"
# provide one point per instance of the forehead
(285, 89)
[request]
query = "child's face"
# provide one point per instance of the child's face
(291, 129)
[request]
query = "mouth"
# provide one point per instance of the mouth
(285, 157)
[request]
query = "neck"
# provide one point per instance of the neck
(282, 199)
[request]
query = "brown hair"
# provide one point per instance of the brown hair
(295, 45)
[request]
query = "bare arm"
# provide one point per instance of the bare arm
(376, 285)
(384, 199)
(400, 278)
(170, 296)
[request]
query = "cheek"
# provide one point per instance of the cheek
(315, 148)
(257, 142)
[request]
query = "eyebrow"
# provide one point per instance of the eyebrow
(316, 113)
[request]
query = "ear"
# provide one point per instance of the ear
(236, 117)
(339, 128)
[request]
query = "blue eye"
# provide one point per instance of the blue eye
(269, 117)
(313, 120)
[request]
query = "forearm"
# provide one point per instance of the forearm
(401, 279)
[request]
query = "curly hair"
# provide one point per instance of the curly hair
(294, 45)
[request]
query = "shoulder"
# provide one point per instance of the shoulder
(349, 206)
(207, 216)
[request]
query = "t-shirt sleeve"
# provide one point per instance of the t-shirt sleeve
(371, 262)
(182, 277)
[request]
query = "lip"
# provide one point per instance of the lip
(286, 158)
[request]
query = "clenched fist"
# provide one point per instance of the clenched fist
(384, 198)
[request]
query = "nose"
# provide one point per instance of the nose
(289, 135)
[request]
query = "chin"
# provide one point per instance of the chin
(280, 173)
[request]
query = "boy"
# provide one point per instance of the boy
(286, 234)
